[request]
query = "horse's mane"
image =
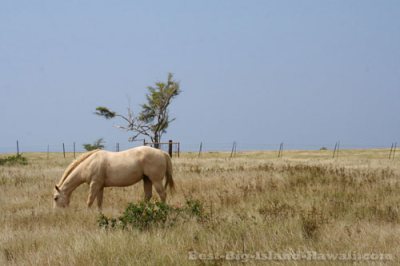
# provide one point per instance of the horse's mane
(74, 164)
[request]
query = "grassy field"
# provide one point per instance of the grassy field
(304, 204)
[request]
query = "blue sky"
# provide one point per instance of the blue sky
(256, 72)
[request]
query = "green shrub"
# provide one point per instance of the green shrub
(145, 215)
(14, 159)
(195, 208)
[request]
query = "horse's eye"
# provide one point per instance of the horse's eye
(56, 198)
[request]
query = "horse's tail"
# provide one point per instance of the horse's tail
(168, 173)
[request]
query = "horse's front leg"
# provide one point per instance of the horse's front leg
(94, 190)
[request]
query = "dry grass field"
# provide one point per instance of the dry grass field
(305, 205)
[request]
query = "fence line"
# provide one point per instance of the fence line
(200, 147)
(69, 147)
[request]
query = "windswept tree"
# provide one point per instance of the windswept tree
(153, 119)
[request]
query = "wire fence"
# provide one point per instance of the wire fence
(243, 146)
(201, 146)
(21, 147)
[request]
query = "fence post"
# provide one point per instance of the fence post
(391, 150)
(170, 148)
(233, 149)
(117, 147)
(394, 151)
(74, 150)
(179, 149)
(334, 150)
(144, 142)
(17, 148)
(64, 149)
(200, 149)
(280, 153)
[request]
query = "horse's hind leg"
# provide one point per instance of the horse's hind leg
(148, 188)
(160, 190)
(100, 198)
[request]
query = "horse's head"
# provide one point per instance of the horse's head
(60, 198)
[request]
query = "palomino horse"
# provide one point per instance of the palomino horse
(102, 169)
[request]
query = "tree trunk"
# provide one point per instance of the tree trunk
(156, 140)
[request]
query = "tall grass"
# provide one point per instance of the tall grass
(253, 203)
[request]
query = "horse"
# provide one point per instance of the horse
(101, 169)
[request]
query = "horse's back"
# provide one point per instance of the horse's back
(152, 161)
(128, 167)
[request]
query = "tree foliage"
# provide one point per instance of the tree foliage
(153, 119)
(98, 144)
(103, 111)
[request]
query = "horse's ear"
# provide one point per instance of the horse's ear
(57, 188)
